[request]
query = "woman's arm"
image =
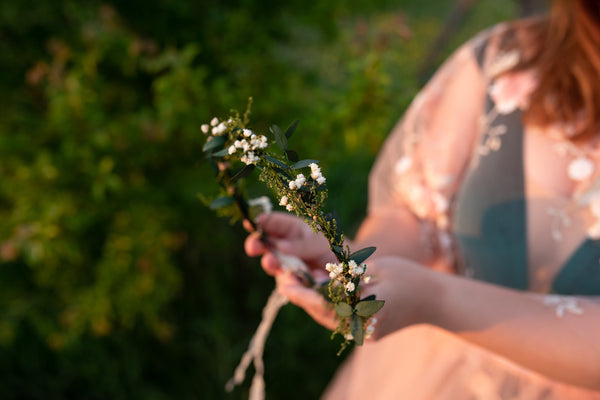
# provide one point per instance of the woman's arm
(555, 336)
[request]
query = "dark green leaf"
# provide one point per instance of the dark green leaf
(362, 254)
(371, 297)
(343, 310)
(215, 142)
(356, 328)
(292, 155)
(366, 308)
(291, 129)
(245, 171)
(275, 161)
(303, 164)
(280, 138)
(221, 202)
(338, 250)
(221, 153)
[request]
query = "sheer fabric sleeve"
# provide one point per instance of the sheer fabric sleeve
(421, 162)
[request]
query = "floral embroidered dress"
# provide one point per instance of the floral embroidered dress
(501, 201)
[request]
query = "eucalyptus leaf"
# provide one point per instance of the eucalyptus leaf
(292, 155)
(291, 129)
(362, 254)
(357, 329)
(242, 173)
(275, 161)
(303, 164)
(221, 153)
(280, 138)
(215, 142)
(343, 310)
(370, 297)
(366, 308)
(221, 202)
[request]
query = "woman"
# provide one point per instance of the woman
(492, 180)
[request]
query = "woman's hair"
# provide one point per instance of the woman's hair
(566, 55)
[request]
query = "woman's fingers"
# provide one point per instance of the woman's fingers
(308, 299)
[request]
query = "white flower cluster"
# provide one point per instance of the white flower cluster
(263, 202)
(284, 202)
(249, 144)
(298, 182)
(218, 128)
(336, 271)
(315, 173)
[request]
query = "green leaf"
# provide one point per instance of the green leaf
(366, 308)
(280, 138)
(292, 155)
(275, 161)
(356, 328)
(362, 254)
(371, 297)
(242, 173)
(343, 310)
(291, 129)
(221, 153)
(303, 164)
(215, 142)
(221, 202)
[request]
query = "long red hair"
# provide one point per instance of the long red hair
(566, 56)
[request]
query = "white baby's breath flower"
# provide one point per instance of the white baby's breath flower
(219, 129)
(247, 132)
(300, 180)
(289, 207)
(292, 185)
(321, 180)
(205, 128)
(350, 287)
(231, 149)
(263, 202)
(214, 121)
(283, 201)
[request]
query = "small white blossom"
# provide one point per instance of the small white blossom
(250, 158)
(300, 180)
(214, 121)
(263, 202)
(292, 185)
(205, 128)
(367, 279)
(231, 149)
(370, 328)
(321, 180)
(350, 287)
(219, 129)
(247, 132)
(283, 201)
(289, 207)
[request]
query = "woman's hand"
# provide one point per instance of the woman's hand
(410, 291)
(290, 235)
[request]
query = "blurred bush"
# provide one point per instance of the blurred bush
(115, 281)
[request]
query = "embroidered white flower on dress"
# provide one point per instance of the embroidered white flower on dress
(563, 305)
(511, 91)
(580, 169)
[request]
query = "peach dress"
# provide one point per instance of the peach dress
(501, 201)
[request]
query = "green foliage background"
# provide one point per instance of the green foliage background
(115, 281)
